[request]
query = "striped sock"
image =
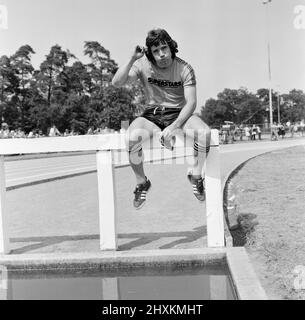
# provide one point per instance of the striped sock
(202, 149)
(136, 155)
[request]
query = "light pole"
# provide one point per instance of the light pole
(266, 2)
(278, 108)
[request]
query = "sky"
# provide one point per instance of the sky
(225, 41)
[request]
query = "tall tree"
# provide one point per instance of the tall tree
(293, 106)
(77, 79)
(51, 69)
(23, 69)
(75, 114)
(233, 105)
(101, 68)
(213, 112)
(117, 106)
(8, 86)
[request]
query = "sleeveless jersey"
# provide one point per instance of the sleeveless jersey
(165, 87)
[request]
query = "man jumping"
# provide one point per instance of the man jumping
(170, 89)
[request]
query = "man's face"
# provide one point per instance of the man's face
(162, 55)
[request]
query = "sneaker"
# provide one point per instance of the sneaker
(140, 194)
(198, 186)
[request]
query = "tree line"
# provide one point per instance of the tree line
(244, 107)
(64, 91)
(72, 95)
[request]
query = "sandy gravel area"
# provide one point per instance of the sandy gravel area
(269, 205)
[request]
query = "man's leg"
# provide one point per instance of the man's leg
(139, 131)
(197, 129)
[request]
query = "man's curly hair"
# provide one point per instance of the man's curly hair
(156, 37)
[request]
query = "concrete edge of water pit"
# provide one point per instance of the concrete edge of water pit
(242, 274)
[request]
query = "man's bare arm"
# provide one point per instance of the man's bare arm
(189, 108)
(185, 113)
(124, 74)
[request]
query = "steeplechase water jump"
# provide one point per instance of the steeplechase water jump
(170, 87)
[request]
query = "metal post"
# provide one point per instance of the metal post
(278, 108)
(266, 2)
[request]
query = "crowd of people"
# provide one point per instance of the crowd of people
(6, 133)
(228, 134)
(252, 132)
(231, 133)
(280, 130)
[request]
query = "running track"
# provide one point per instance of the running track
(62, 215)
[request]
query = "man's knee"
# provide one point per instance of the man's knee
(134, 138)
(140, 131)
(202, 133)
(133, 142)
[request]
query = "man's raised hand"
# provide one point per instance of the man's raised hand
(138, 52)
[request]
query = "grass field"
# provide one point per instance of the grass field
(270, 208)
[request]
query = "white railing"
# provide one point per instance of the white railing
(105, 145)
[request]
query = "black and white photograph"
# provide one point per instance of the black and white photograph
(152, 151)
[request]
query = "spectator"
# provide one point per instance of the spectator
(302, 127)
(36, 134)
(259, 132)
(274, 132)
(90, 130)
(241, 129)
(253, 132)
(20, 133)
(12, 134)
(295, 129)
(281, 130)
(5, 132)
(54, 131)
(247, 132)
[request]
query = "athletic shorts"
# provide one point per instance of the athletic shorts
(161, 116)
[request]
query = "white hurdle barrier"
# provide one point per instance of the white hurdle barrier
(4, 239)
(105, 145)
(214, 197)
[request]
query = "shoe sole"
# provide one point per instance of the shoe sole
(200, 199)
(142, 205)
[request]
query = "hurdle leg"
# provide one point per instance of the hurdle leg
(4, 239)
(214, 205)
(107, 201)
(110, 289)
(3, 283)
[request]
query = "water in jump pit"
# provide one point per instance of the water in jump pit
(196, 283)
